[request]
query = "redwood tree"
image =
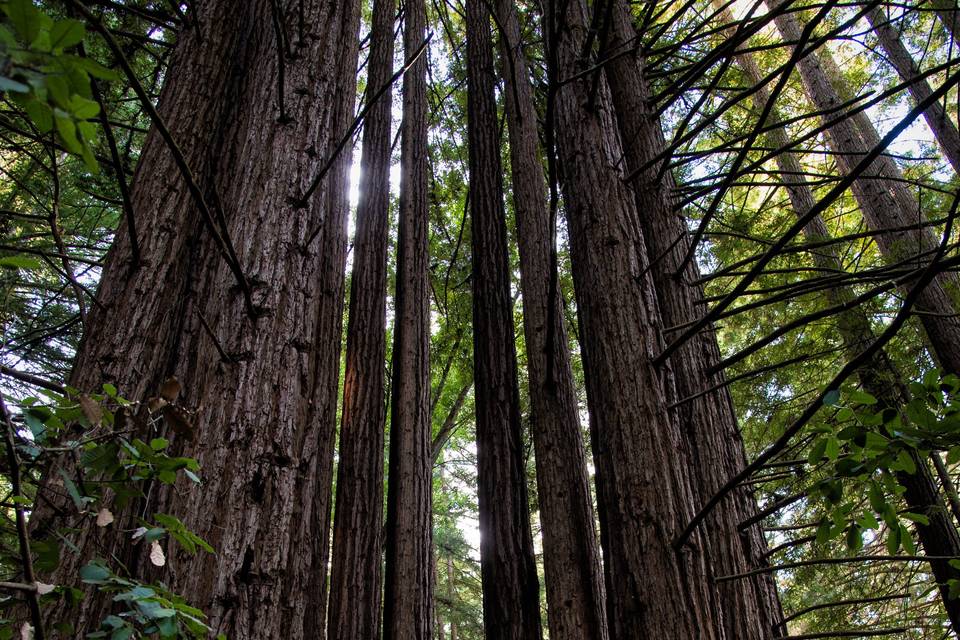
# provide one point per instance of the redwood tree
(408, 593)
(511, 591)
(355, 573)
(234, 299)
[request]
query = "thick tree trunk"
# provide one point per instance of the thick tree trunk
(571, 554)
(355, 575)
(712, 435)
(879, 377)
(265, 409)
(511, 592)
(408, 594)
(644, 497)
(885, 200)
(939, 121)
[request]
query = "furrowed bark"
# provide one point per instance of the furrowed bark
(511, 590)
(571, 555)
(712, 436)
(265, 415)
(644, 498)
(408, 594)
(355, 574)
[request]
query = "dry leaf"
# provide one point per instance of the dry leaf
(138, 532)
(170, 389)
(104, 517)
(43, 589)
(154, 404)
(156, 554)
(91, 410)
(26, 631)
(177, 419)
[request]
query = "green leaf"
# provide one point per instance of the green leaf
(893, 541)
(41, 114)
(159, 444)
(817, 450)
(915, 517)
(832, 448)
(907, 541)
(906, 462)
(66, 33)
(71, 487)
(83, 109)
(854, 538)
(94, 573)
(831, 398)
(68, 132)
(861, 397)
(26, 18)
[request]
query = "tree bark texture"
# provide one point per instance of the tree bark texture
(643, 493)
(751, 607)
(511, 590)
(943, 127)
(571, 555)
(266, 408)
(355, 575)
(408, 594)
(885, 200)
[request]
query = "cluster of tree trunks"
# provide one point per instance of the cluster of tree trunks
(259, 358)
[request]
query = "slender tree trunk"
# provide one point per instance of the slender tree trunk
(939, 121)
(712, 435)
(884, 200)
(511, 592)
(879, 377)
(644, 498)
(355, 576)
(265, 406)
(571, 554)
(408, 594)
(950, 17)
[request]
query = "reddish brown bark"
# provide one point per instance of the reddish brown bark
(264, 414)
(355, 573)
(643, 494)
(571, 554)
(712, 436)
(511, 590)
(408, 594)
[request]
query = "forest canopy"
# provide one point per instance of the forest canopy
(567, 319)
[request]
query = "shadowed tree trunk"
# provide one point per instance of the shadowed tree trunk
(712, 435)
(355, 575)
(511, 591)
(884, 199)
(879, 377)
(408, 594)
(943, 128)
(263, 383)
(643, 494)
(571, 555)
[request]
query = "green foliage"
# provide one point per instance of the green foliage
(51, 85)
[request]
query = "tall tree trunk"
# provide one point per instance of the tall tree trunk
(511, 591)
(709, 424)
(879, 376)
(571, 554)
(884, 200)
(939, 121)
(408, 594)
(644, 497)
(355, 575)
(265, 405)
(950, 17)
